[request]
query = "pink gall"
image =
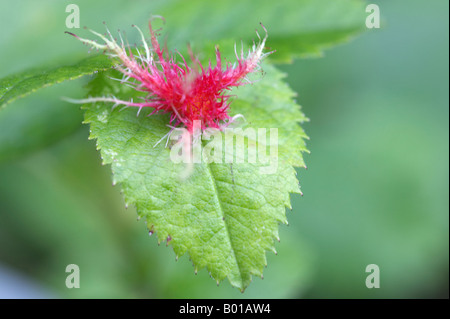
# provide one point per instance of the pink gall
(187, 93)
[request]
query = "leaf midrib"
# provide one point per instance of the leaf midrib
(222, 211)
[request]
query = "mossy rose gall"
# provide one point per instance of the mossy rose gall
(187, 92)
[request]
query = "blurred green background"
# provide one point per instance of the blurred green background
(376, 189)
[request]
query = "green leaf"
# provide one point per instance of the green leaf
(225, 216)
(297, 28)
(19, 85)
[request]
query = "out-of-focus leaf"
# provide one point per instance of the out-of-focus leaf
(297, 28)
(19, 85)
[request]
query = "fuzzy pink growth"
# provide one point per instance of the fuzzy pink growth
(185, 92)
